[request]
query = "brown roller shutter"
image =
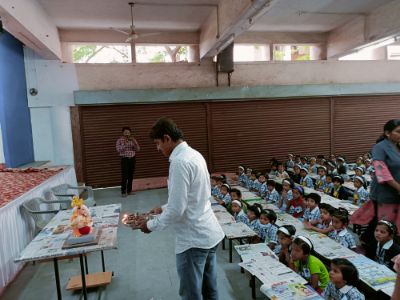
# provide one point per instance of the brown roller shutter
(358, 121)
(252, 132)
(101, 126)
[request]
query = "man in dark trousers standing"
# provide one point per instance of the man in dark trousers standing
(188, 210)
(127, 146)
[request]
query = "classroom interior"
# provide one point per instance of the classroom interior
(246, 81)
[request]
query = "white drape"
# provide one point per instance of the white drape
(17, 229)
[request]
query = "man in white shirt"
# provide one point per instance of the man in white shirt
(188, 210)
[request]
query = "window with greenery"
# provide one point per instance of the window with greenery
(104, 53)
(161, 54)
(250, 52)
(295, 52)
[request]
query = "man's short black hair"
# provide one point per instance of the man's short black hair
(126, 128)
(165, 126)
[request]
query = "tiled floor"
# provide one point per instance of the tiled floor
(144, 265)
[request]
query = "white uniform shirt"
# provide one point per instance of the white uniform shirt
(189, 207)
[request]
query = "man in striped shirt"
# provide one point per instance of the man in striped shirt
(127, 146)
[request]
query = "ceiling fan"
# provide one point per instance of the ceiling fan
(132, 33)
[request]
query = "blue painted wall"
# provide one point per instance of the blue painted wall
(14, 112)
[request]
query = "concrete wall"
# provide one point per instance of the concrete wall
(50, 117)
(96, 77)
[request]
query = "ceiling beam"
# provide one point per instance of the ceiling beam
(230, 19)
(28, 22)
(381, 24)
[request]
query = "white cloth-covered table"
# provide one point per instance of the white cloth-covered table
(17, 230)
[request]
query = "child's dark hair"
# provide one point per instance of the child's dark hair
(254, 172)
(256, 209)
(221, 178)
(329, 208)
(215, 177)
(126, 128)
(287, 230)
(270, 214)
(349, 271)
(339, 179)
(290, 181)
(330, 176)
(342, 214)
(238, 192)
(227, 186)
(271, 182)
(304, 243)
(315, 197)
(392, 228)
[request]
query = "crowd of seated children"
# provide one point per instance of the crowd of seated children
(338, 190)
(286, 195)
(343, 281)
(271, 194)
(340, 221)
(312, 213)
(361, 194)
(305, 179)
(384, 247)
(324, 224)
(268, 229)
(285, 235)
(307, 265)
(295, 207)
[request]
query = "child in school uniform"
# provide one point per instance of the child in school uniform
(290, 162)
(304, 163)
(282, 174)
(338, 190)
(226, 197)
(249, 182)
(268, 229)
(253, 182)
(344, 279)
(285, 235)
(220, 181)
(329, 184)
(313, 167)
(368, 166)
(324, 224)
(305, 179)
(295, 206)
(214, 186)
(242, 177)
(271, 195)
(359, 171)
(237, 195)
(274, 169)
(360, 195)
(307, 265)
(312, 214)
(253, 215)
(384, 248)
(286, 194)
(295, 176)
(340, 221)
(262, 188)
(359, 162)
(320, 183)
(238, 212)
